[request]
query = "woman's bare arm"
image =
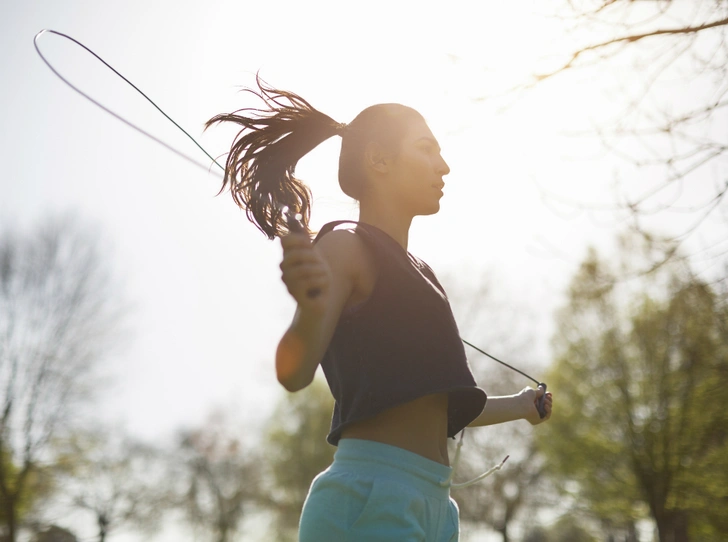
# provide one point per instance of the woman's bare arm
(332, 266)
(514, 407)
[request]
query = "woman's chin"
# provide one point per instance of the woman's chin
(431, 210)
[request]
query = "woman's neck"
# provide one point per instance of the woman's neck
(393, 224)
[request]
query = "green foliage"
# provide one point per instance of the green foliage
(566, 529)
(297, 450)
(54, 534)
(640, 427)
(26, 489)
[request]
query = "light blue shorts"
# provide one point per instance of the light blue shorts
(376, 492)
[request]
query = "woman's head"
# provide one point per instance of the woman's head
(260, 168)
(384, 125)
(395, 163)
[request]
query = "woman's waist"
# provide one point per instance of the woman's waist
(418, 426)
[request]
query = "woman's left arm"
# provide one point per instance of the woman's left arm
(514, 407)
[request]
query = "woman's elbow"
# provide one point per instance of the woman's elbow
(293, 383)
(290, 370)
(295, 366)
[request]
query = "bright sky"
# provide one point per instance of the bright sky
(208, 303)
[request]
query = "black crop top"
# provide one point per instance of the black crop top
(400, 344)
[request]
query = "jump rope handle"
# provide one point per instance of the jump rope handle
(540, 401)
(295, 226)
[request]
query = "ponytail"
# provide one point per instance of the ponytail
(261, 165)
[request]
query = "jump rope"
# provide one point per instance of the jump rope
(293, 220)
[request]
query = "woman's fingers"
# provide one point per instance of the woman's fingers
(303, 271)
(299, 257)
(308, 272)
(548, 404)
(295, 240)
(548, 407)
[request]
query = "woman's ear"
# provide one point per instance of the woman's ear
(376, 159)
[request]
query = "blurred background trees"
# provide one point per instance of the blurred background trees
(296, 451)
(490, 319)
(118, 482)
(216, 477)
(641, 368)
(57, 316)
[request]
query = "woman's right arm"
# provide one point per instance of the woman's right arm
(331, 267)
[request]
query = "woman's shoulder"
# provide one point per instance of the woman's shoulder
(343, 244)
(349, 253)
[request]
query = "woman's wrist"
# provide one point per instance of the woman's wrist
(525, 403)
(519, 406)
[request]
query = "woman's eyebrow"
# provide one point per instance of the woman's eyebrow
(431, 141)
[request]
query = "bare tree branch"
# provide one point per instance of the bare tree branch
(630, 39)
(672, 123)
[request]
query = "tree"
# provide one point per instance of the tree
(507, 496)
(641, 367)
(118, 481)
(217, 477)
(57, 314)
(665, 62)
(297, 452)
(567, 529)
(54, 534)
(39, 484)
(490, 319)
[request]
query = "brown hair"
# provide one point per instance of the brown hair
(261, 164)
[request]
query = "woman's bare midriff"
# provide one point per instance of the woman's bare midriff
(419, 426)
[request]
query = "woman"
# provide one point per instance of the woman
(371, 314)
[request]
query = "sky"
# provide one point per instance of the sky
(207, 304)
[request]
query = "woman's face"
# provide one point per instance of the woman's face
(417, 171)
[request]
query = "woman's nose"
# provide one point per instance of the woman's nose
(442, 167)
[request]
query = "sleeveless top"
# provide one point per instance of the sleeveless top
(400, 344)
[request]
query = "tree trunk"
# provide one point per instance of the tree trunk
(103, 527)
(632, 534)
(10, 518)
(673, 527)
(503, 530)
(8, 498)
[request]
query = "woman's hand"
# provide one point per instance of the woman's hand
(528, 397)
(305, 273)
